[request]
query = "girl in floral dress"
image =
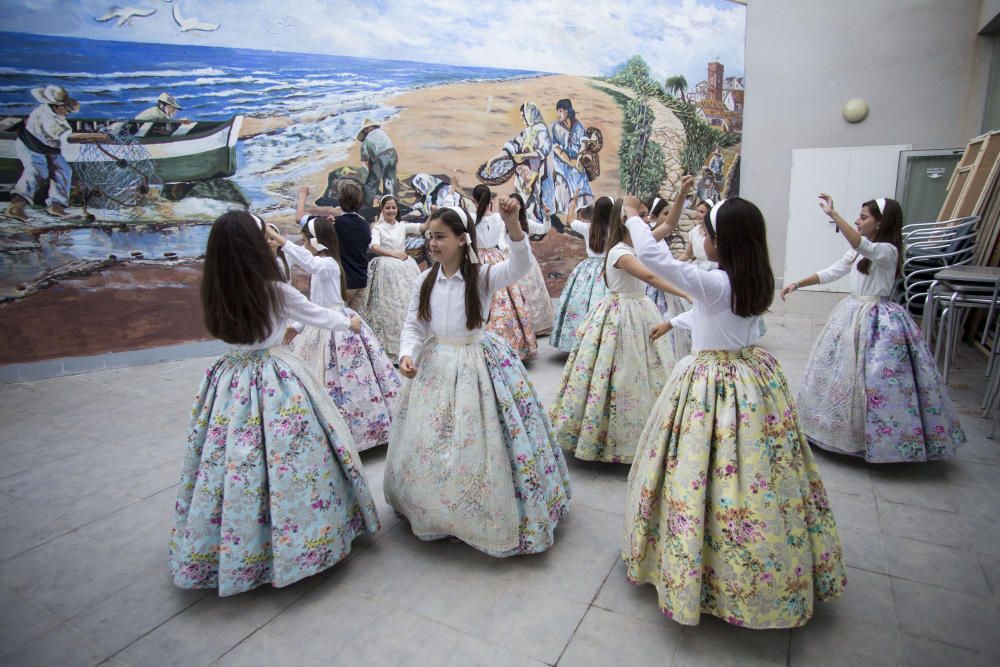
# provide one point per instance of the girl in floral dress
(585, 286)
(272, 489)
(391, 274)
(536, 294)
(726, 511)
(471, 454)
(508, 313)
(871, 387)
(358, 374)
(611, 381)
(663, 221)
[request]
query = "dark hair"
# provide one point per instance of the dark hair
(889, 230)
(522, 215)
(660, 205)
(327, 236)
(585, 213)
(616, 232)
(597, 239)
(239, 283)
(741, 242)
(482, 195)
(567, 105)
(349, 195)
(470, 273)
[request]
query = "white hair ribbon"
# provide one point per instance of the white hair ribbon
(260, 223)
(656, 200)
(313, 241)
(714, 214)
(470, 250)
(709, 202)
(881, 205)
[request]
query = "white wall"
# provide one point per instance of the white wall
(919, 64)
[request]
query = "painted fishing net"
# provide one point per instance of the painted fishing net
(116, 174)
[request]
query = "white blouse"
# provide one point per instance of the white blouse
(296, 307)
(881, 276)
(714, 326)
(490, 231)
(324, 286)
(583, 229)
(697, 239)
(448, 300)
(392, 237)
(619, 280)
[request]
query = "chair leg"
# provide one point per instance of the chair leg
(942, 323)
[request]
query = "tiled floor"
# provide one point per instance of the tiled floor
(89, 470)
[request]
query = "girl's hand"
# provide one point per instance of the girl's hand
(788, 289)
(356, 323)
(689, 299)
(274, 235)
(630, 207)
(826, 203)
(407, 368)
(659, 330)
(687, 185)
(509, 209)
(290, 334)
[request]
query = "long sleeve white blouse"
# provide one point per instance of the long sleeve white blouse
(295, 307)
(392, 237)
(714, 326)
(583, 229)
(490, 231)
(881, 277)
(448, 300)
(324, 286)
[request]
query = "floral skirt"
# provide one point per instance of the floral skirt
(611, 381)
(584, 288)
(358, 376)
(726, 511)
(671, 305)
(537, 299)
(471, 453)
(509, 316)
(872, 389)
(385, 301)
(272, 489)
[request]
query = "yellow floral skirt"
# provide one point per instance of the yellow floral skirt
(726, 512)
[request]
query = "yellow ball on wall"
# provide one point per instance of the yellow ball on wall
(855, 110)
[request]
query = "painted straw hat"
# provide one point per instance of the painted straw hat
(369, 123)
(56, 95)
(167, 98)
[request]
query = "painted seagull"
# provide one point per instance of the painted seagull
(124, 14)
(192, 24)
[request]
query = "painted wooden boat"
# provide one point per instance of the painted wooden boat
(189, 151)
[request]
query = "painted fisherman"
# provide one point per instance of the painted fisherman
(379, 157)
(39, 148)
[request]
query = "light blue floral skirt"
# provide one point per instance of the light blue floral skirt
(471, 452)
(872, 389)
(584, 288)
(272, 490)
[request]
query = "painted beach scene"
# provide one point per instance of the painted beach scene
(126, 131)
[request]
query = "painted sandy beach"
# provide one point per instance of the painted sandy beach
(430, 128)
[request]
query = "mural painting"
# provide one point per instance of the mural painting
(128, 130)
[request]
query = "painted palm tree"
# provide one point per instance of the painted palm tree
(678, 84)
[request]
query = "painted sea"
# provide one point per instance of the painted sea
(327, 98)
